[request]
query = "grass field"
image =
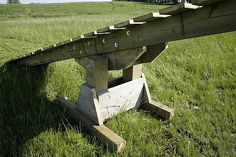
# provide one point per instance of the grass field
(197, 77)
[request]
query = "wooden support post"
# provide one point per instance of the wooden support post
(132, 73)
(96, 71)
(110, 139)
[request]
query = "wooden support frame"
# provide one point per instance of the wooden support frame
(94, 106)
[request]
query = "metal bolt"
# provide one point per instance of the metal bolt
(128, 33)
(88, 67)
(88, 43)
(103, 41)
(74, 47)
(81, 52)
(116, 44)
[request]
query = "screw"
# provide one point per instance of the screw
(128, 33)
(88, 67)
(103, 41)
(116, 44)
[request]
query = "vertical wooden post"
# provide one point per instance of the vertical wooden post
(96, 72)
(132, 73)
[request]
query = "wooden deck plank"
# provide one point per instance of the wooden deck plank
(204, 2)
(95, 33)
(179, 8)
(109, 29)
(128, 23)
(150, 17)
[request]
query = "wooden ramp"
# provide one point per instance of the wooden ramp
(126, 46)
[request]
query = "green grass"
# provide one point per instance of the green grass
(196, 72)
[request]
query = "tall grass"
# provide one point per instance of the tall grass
(196, 77)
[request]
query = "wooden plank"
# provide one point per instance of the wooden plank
(132, 73)
(109, 29)
(110, 139)
(127, 23)
(88, 103)
(146, 93)
(150, 17)
(120, 98)
(95, 33)
(193, 23)
(179, 8)
(162, 110)
(205, 2)
(123, 59)
(152, 52)
(153, 106)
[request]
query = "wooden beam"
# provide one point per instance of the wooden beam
(95, 33)
(152, 52)
(132, 73)
(96, 71)
(153, 106)
(124, 59)
(150, 17)
(109, 29)
(162, 110)
(176, 9)
(128, 24)
(205, 2)
(110, 139)
(193, 23)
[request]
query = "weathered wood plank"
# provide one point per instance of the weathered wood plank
(153, 106)
(120, 98)
(205, 2)
(110, 139)
(146, 93)
(162, 110)
(132, 73)
(150, 17)
(179, 8)
(95, 33)
(109, 29)
(123, 59)
(152, 52)
(128, 23)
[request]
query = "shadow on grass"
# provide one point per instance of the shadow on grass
(25, 110)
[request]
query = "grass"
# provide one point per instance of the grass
(196, 77)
